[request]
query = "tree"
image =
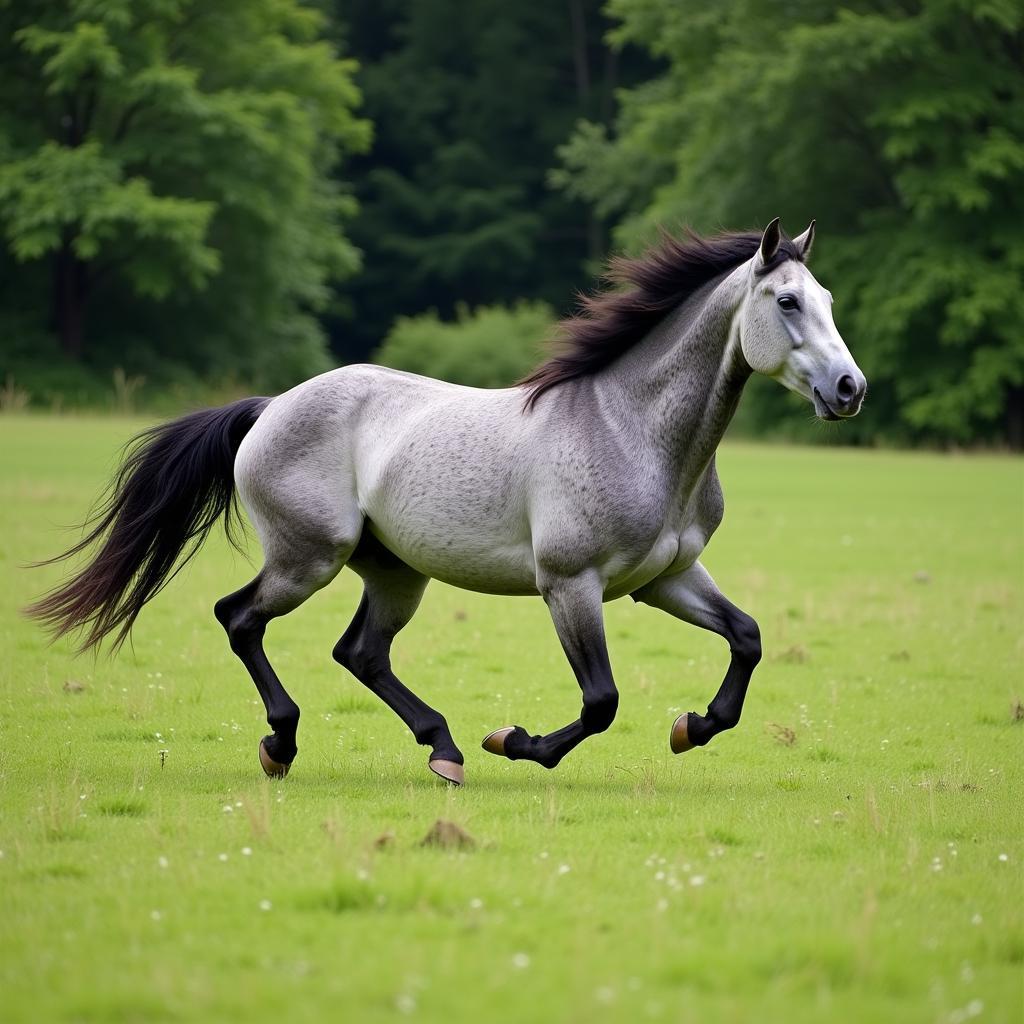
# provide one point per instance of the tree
(469, 102)
(171, 161)
(900, 126)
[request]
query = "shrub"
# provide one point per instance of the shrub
(488, 347)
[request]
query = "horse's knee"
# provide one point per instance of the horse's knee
(242, 625)
(345, 653)
(340, 653)
(746, 639)
(599, 711)
(222, 611)
(348, 655)
(245, 632)
(361, 656)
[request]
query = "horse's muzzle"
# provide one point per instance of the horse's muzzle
(842, 397)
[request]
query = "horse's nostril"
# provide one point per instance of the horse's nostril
(846, 388)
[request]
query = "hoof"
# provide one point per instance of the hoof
(494, 742)
(270, 766)
(679, 740)
(449, 771)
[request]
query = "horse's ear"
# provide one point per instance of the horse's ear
(770, 241)
(805, 241)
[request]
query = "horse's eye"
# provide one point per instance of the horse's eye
(788, 303)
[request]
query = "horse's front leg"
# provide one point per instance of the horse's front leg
(691, 595)
(575, 606)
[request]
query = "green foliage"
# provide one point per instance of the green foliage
(175, 206)
(469, 102)
(169, 163)
(81, 194)
(901, 130)
(489, 347)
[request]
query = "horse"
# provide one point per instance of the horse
(591, 479)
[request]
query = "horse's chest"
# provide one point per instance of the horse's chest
(691, 543)
(675, 546)
(629, 570)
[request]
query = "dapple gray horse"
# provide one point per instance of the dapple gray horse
(592, 479)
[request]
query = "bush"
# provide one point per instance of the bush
(489, 347)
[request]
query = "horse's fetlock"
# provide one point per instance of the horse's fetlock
(284, 721)
(548, 761)
(722, 720)
(431, 729)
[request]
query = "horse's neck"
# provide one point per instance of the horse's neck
(684, 380)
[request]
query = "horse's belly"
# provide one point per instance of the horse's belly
(472, 559)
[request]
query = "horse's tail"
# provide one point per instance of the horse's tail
(174, 482)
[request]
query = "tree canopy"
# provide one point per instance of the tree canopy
(190, 192)
(166, 171)
(469, 103)
(899, 126)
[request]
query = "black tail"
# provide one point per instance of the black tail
(175, 481)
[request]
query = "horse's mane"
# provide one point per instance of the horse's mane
(638, 293)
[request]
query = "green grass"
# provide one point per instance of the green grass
(852, 852)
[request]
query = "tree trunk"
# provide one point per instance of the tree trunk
(1015, 418)
(581, 66)
(580, 56)
(70, 294)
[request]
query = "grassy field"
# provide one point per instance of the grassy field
(852, 852)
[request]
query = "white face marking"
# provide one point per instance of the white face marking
(787, 333)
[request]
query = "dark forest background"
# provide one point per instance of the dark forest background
(201, 200)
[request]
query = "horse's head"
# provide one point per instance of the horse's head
(787, 331)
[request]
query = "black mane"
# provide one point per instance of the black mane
(639, 293)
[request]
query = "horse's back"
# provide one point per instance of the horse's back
(434, 469)
(462, 484)
(442, 475)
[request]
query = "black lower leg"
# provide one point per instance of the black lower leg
(545, 750)
(245, 627)
(575, 607)
(364, 650)
(725, 709)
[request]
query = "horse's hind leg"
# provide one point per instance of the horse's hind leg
(281, 586)
(391, 594)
